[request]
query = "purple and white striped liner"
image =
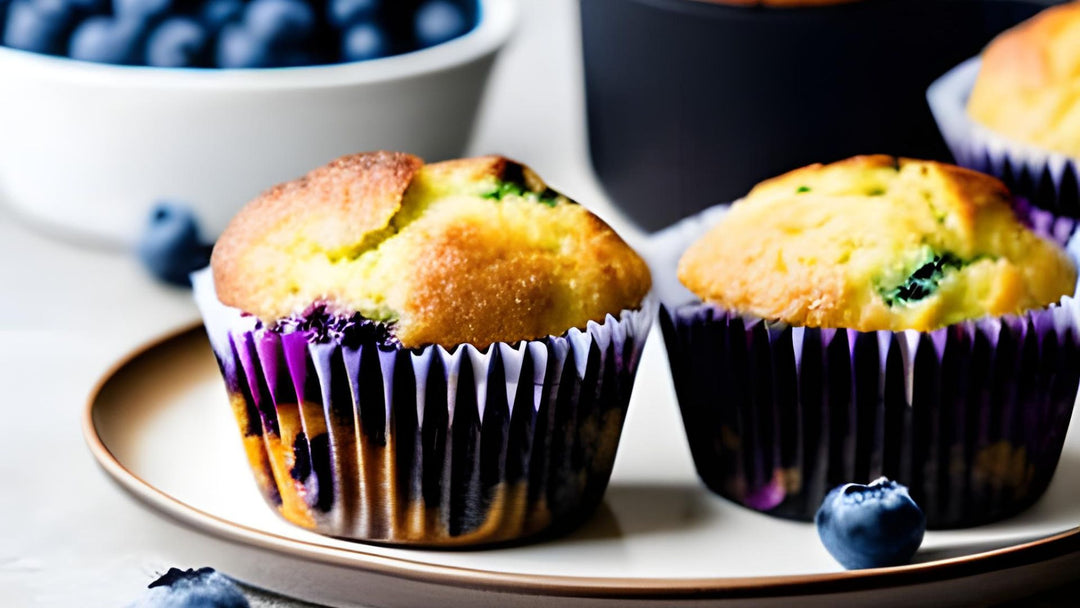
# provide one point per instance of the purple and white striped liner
(429, 446)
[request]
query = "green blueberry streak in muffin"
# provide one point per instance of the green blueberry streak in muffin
(923, 281)
(509, 188)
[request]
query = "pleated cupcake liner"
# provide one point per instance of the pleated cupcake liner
(1057, 228)
(429, 446)
(1047, 179)
(971, 417)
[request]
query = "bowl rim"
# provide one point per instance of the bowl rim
(497, 22)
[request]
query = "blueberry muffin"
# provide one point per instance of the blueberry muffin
(1014, 112)
(1028, 87)
(434, 354)
(871, 317)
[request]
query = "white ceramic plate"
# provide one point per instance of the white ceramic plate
(160, 424)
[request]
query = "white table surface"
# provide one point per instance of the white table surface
(68, 535)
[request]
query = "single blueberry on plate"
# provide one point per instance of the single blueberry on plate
(438, 21)
(202, 588)
(108, 40)
(41, 26)
(870, 526)
(343, 13)
(142, 9)
(216, 13)
(176, 43)
(239, 48)
(170, 247)
(279, 21)
(364, 41)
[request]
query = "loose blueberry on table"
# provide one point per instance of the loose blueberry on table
(231, 33)
(202, 588)
(170, 247)
(870, 526)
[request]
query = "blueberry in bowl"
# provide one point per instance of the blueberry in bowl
(438, 21)
(160, 121)
(105, 39)
(214, 14)
(178, 42)
(364, 41)
(39, 26)
(232, 33)
(345, 13)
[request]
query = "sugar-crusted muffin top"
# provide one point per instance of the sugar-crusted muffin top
(876, 243)
(1028, 87)
(470, 251)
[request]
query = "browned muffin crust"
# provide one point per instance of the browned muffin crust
(432, 249)
(340, 202)
(876, 243)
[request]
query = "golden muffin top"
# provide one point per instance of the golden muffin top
(876, 243)
(1028, 87)
(470, 251)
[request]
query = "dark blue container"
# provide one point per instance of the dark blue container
(690, 103)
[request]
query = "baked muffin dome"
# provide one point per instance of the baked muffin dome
(876, 243)
(466, 251)
(1028, 87)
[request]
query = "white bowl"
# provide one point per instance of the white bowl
(88, 148)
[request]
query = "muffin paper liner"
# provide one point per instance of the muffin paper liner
(428, 446)
(971, 417)
(1048, 179)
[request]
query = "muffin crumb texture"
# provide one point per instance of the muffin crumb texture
(1028, 87)
(876, 243)
(467, 251)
